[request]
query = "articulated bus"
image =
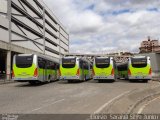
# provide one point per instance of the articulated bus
(104, 69)
(34, 68)
(139, 68)
(75, 69)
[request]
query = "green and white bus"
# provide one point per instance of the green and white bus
(74, 69)
(139, 68)
(34, 68)
(122, 70)
(104, 68)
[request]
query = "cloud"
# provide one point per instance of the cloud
(107, 25)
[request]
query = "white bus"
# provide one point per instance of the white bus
(34, 68)
(75, 69)
(104, 69)
(139, 68)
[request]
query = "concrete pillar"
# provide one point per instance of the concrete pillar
(8, 59)
(8, 65)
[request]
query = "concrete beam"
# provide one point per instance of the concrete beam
(15, 48)
(4, 22)
(4, 45)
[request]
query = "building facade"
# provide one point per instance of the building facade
(149, 45)
(29, 26)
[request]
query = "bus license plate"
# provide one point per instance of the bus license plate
(138, 77)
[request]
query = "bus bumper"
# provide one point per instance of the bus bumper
(69, 77)
(140, 77)
(25, 79)
(103, 77)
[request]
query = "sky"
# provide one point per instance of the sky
(105, 26)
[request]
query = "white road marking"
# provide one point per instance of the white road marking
(106, 104)
(155, 86)
(49, 100)
(143, 107)
(47, 105)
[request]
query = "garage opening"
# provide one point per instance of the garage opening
(3, 57)
(3, 64)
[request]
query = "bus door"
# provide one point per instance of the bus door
(57, 71)
(46, 71)
(54, 71)
(41, 64)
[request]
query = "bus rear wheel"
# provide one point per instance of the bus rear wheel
(33, 82)
(84, 78)
(70, 81)
(145, 81)
(100, 81)
(132, 81)
(49, 78)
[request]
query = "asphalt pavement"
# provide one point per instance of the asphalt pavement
(61, 97)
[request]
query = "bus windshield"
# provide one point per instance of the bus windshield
(68, 62)
(24, 61)
(102, 62)
(139, 62)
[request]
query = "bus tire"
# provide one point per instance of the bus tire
(32, 82)
(84, 78)
(49, 78)
(131, 80)
(145, 81)
(69, 81)
(100, 81)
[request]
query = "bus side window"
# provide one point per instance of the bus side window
(85, 65)
(48, 64)
(53, 66)
(81, 64)
(41, 63)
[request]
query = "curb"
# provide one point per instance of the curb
(157, 80)
(147, 98)
(6, 82)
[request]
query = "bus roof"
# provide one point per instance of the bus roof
(102, 57)
(139, 57)
(122, 64)
(24, 54)
(79, 58)
(42, 56)
(68, 57)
